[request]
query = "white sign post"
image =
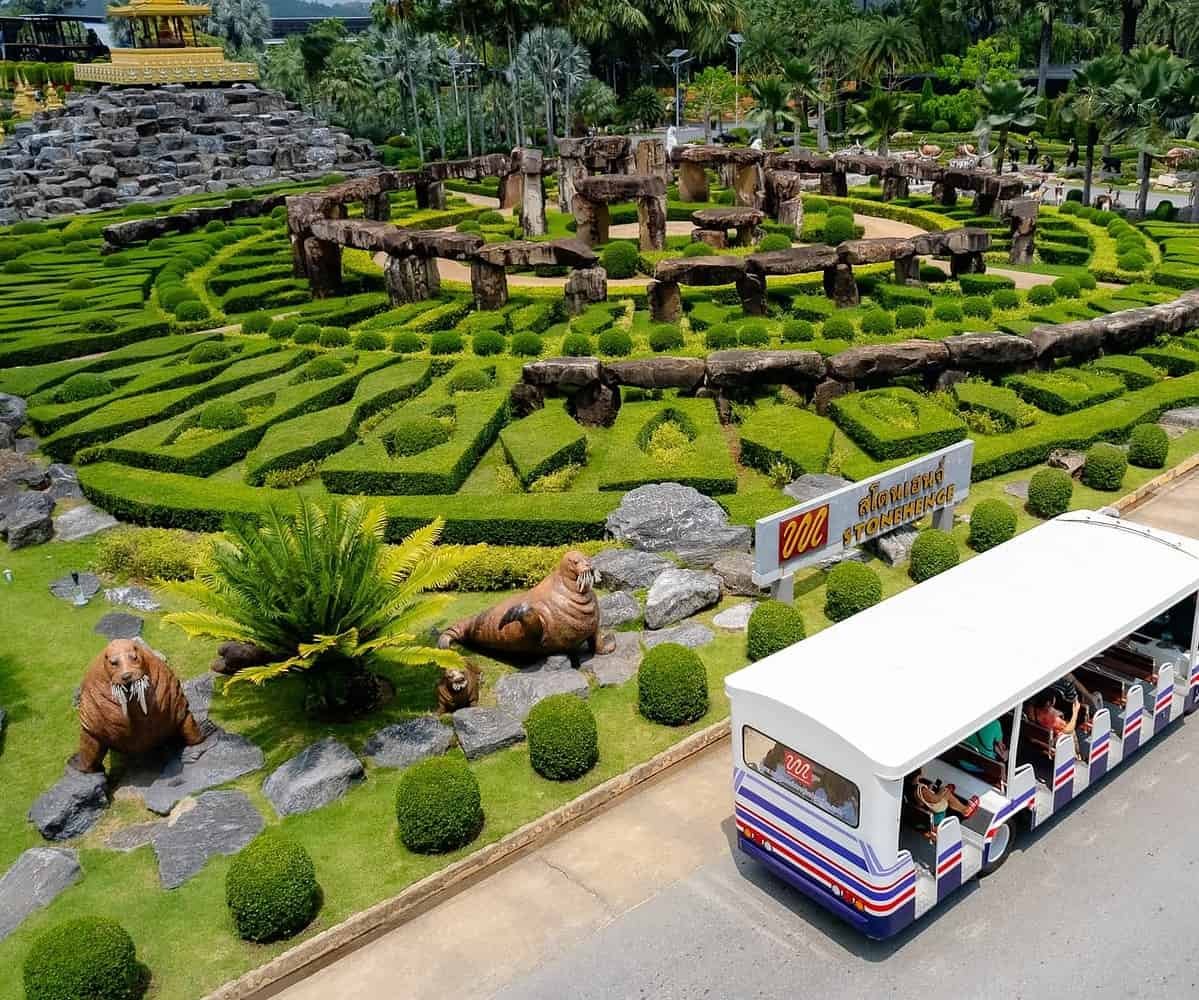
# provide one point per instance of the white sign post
(821, 529)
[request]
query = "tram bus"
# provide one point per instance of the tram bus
(859, 774)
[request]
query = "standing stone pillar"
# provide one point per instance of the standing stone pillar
(693, 182)
(945, 194)
(967, 263)
(570, 168)
(840, 286)
(1023, 217)
(718, 239)
(752, 290)
(665, 301)
(489, 282)
(511, 189)
(430, 194)
(411, 278)
(322, 264)
(591, 220)
(984, 203)
(834, 183)
(894, 186)
(748, 187)
(376, 207)
(651, 221)
(907, 270)
(790, 213)
(532, 199)
(584, 287)
(650, 158)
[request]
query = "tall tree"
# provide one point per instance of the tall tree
(1004, 105)
(712, 90)
(1084, 105)
(804, 81)
(889, 45)
(835, 52)
(879, 117)
(244, 24)
(769, 95)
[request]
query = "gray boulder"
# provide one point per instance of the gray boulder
(65, 588)
(1065, 458)
(221, 758)
(620, 665)
(689, 634)
(483, 731)
(702, 551)
(119, 625)
(138, 598)
(319, 774)
(199, 692)
(812, 485)
(618, 608)
(219, 823)
(12, 411)
(25, 519)
(402, 744)
(71, 805)
(1186, 417)
(517, 693)
(82, 522)
(33, 881)
(64, 482)
(735, 570)
(628, 569)
(895, 546)
(679, 593)
(736, 618)
(658, 517)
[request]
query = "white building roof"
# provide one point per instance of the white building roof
(904, 680)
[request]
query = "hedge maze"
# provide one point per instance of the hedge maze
(193, 376)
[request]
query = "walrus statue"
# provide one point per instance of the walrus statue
(556, 616)
(131, 701)
(458, 688)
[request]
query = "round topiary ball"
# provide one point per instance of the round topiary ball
(1105, 467)
(1147, 446)
(720, 336)
(83, 385)
(933, 552)
(406, 342)
(753, 334)
(1049, 492)
(1067, 287)
(445, 342)
(413, 435)
(469, 380)
(525, 344)
(838, 328)
(223, 415)
(487, 342)
(335, 336)
(576, 345)
(838, 229)
(773, 625)
(306, 333)
(191, 311)
(620, 259)
(948, 311)
(207, 352)
(672, 685)
(699, 249)
(79, 284)
(73, 302)
(991, 522)
(977, 307)
(88, 958)
(909, 317)
(850, 588)
(563, 738)
(797, 330)
(615, 343)
(282, 329)
(665, 337)
(17, 267)
(1042, 295)
(1005, 298)
(878, 323)
(438, 806)
(271, 888)
(258, 322)
(370, 340)
(772, 242)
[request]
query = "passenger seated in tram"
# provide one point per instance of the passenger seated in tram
(989, 742)
(1070, 689)
(1044, 712)
(935, 799)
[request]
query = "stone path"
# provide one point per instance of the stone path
(35, 878)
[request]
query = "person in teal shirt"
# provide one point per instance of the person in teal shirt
(989, 741)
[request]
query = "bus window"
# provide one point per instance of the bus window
(1175, 625)
(801, 776)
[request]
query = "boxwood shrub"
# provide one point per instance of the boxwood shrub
(1067, 287)
(526, 344)
(321, 367)
(445, 342)
(1148, 446)
(947, 312)
(83, 385)
(665, 337)
(977, 307)
(208, 352)
(259, 322)
(933, 552)
(838, 228)
(615, 343)
(851, 587)
(73, 302)
(370, 340)
(406, 342)
(1105, 467)
(283, 329)
(415, 434)
(191, 311)
(88, 958)
(672, 685)
(699, 249)
(751, 334)
(1049, 492)
(773, 625)
(878, 323)
(438, 806)
(984, 284)
(720, 336)
(837, 328)
(563, 737)
(909, 317)
(223, 415)
(271, 888)
(576, 345)
(798, 330)
(1042, 295)
(335, 336)
(991, 522)
(620, 259)
(773, 241)
(1005, 298)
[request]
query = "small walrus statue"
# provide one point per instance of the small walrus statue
(556, 616)
(458, 688)
(132, 702)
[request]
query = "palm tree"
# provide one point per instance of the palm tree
(542, 54)
(598, 104)
(1085, 105)
(805, 86)
(398, 56)
(1003, 105)
(878, 117)
(244, 24)
(835, 51)
(644, 107)
(770, 104)
(322, 593)
(888, 45)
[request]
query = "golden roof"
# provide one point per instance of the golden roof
(161, 8)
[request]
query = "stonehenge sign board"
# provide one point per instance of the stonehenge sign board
(823, 528)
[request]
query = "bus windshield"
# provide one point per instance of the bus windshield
(801, 776)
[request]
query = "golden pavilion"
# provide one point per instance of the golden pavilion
(166, 49)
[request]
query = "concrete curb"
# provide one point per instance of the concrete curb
(307, 956)
(1132, 500)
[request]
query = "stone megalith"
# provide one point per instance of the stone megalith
(489, 283)
(532, 197)
(1022, 216)
(584, 287)
(840, 286)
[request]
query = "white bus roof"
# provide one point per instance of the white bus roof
(904, 680)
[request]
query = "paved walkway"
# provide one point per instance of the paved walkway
(1175, 509)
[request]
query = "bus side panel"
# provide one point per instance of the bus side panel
(1192, 698)
(1099, 744)
(1163, 704)
(1131, 720)
(949, 857)
(1063, 772)
(1022, 791)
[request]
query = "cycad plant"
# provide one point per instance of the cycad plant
(878, 118)
(770, 106)
(322, 593)
(1003, 105)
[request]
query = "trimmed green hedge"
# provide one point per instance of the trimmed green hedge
(933, 552)
(543, 442)
(1066, 389)
(896, 422)
(1104, 467)
(1148, 446)
(672, 685)
(1136, 373)
(773, 626)
(992, 522)
(781, 433)
(997, 402)
(1049, 492)
(850, 588)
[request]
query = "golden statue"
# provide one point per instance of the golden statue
(53, 101)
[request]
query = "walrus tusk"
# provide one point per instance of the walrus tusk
(121, 698)
(139, 688)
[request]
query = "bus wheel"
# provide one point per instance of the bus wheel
(998, 852)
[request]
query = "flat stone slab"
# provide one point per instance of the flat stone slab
(1186, 416)
(702, 552)
(621, 665)
(690, 634)
(219, 823)
(736, 618)
(628, 569)
(618, 608)
(812, 485)
(319, 774)
(517, 693)
(119, 625)
(678, 594)
(221, 758)
(34, 880)
(64, 586)
(70, 806)
(483, 731)
(402, 744)
(64, 482)
(895, 546)
(82, 522)
(735, 570)
(1018, 489)
(130, 838)
(138, 598)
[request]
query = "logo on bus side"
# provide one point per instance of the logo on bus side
(798, 768)
(803, 533)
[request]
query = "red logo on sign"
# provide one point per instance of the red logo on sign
(803, 533)
(799, 768)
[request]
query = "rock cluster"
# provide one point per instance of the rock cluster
(133, 144)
